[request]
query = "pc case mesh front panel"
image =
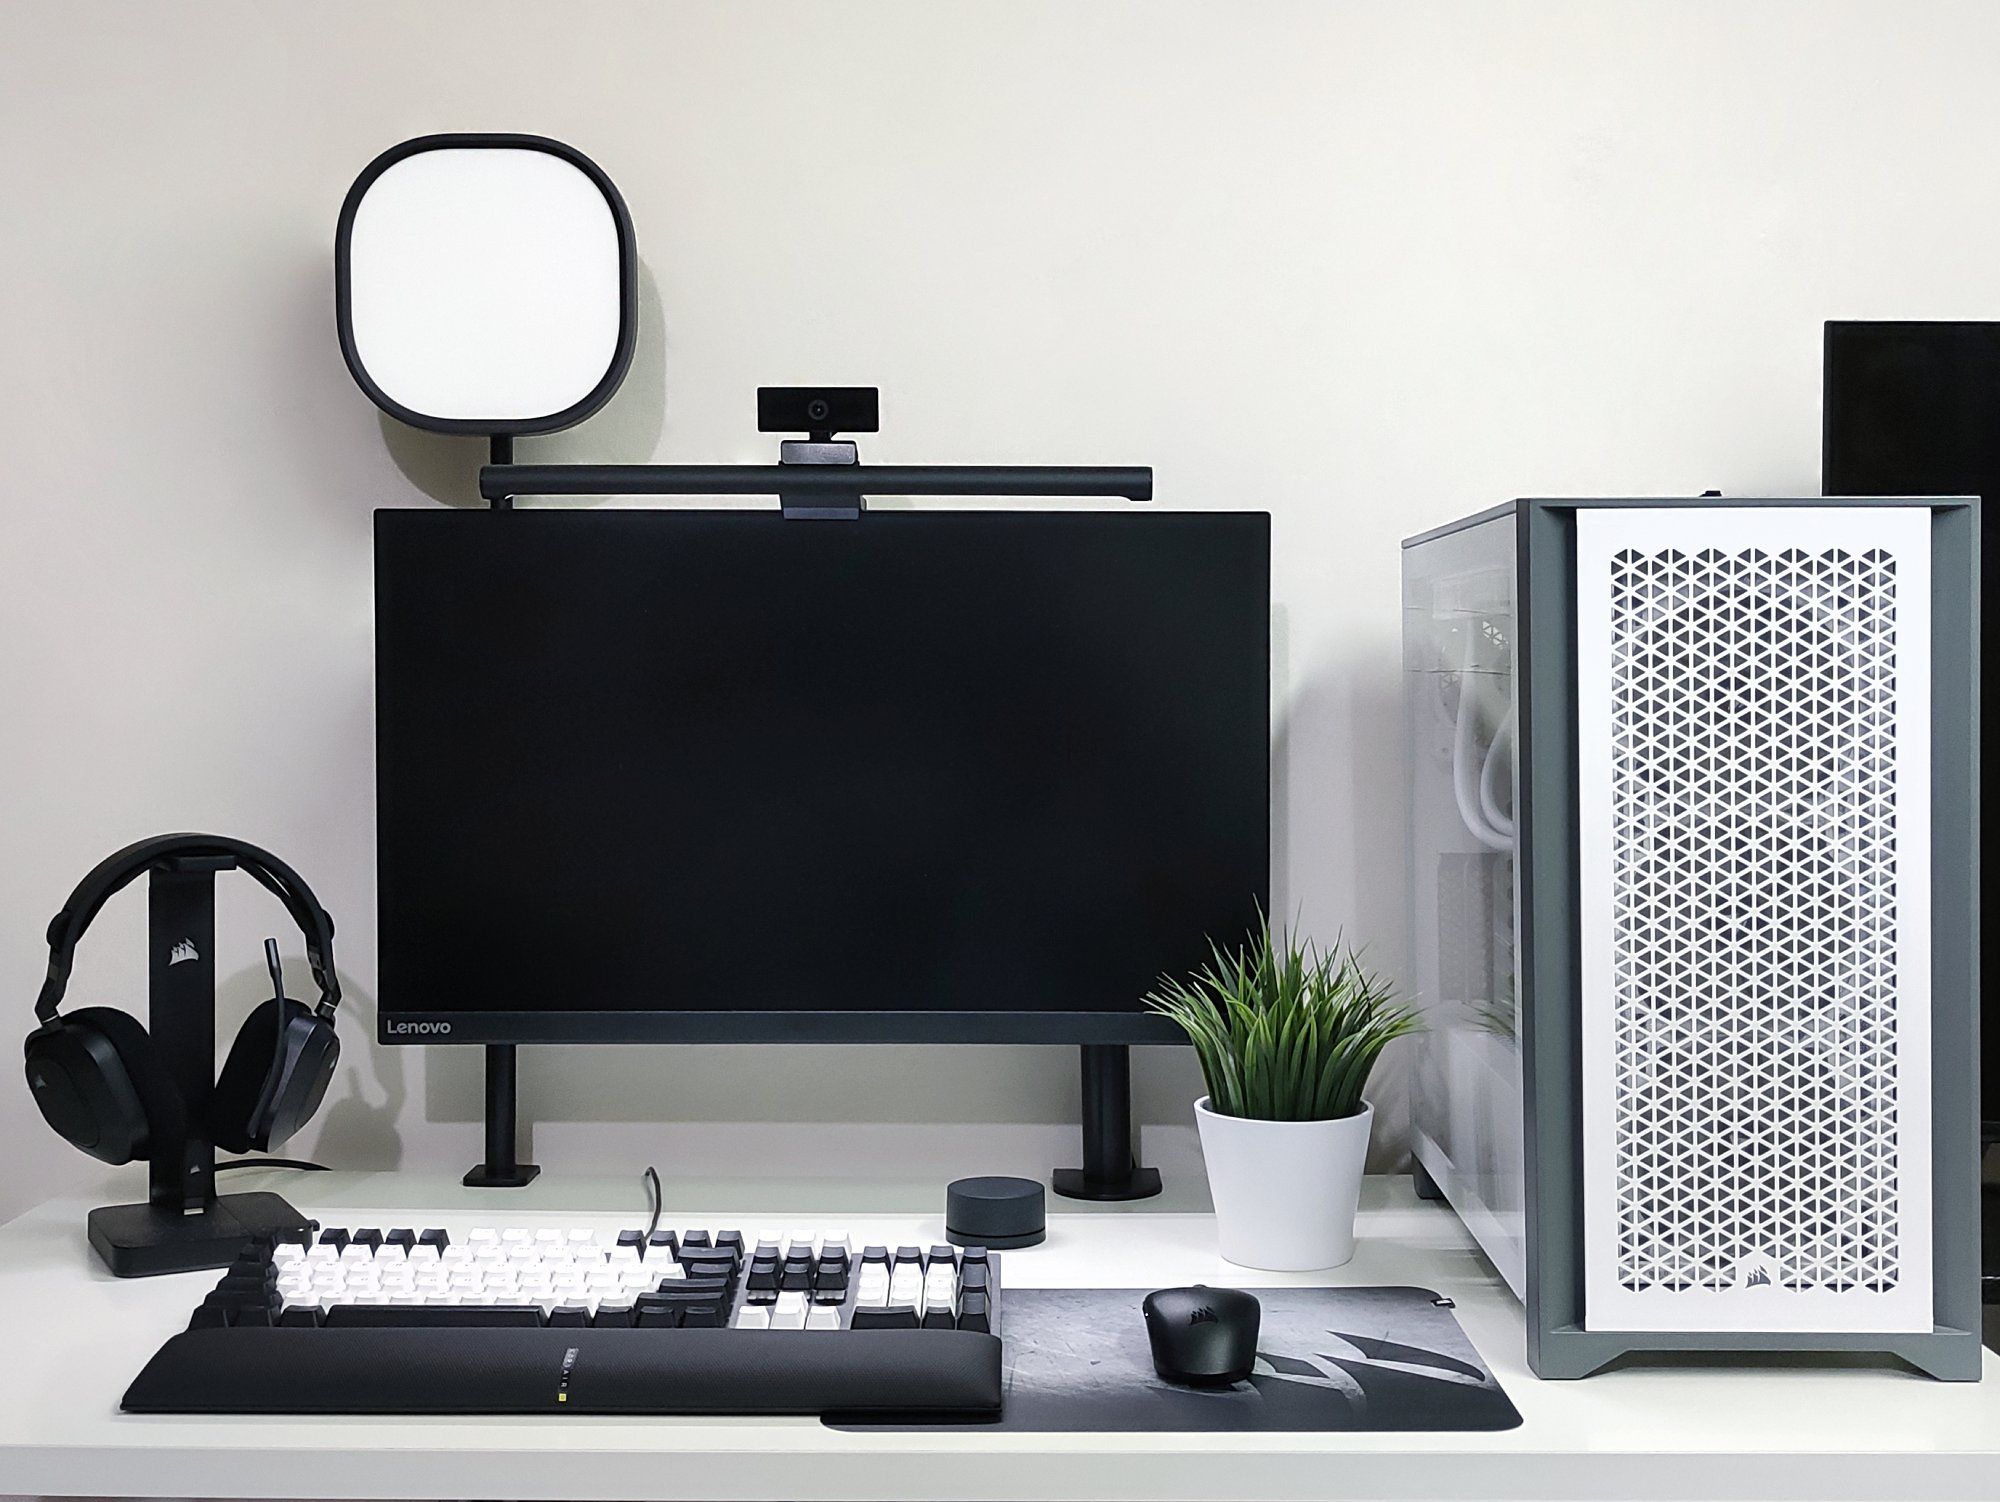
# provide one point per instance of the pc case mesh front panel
(1754, 763)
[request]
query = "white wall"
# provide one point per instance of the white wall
(1369, 266)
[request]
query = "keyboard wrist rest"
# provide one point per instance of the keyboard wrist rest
(827, 1373)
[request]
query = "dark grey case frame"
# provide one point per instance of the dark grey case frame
(1549, 937)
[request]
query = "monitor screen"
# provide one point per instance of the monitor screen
(1914, 409)
(720, 775)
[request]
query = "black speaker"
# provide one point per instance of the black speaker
(1914, 409)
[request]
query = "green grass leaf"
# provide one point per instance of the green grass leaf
(1283, 1031)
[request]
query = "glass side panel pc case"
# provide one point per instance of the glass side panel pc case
(718, 775)
(1692, 896)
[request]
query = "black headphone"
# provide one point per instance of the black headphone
(95, 1074)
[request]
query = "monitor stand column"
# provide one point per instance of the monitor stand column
(1111, 1168)
(502, 1168)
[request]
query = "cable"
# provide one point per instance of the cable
(1465, 779)
(656, 1197)
(273, 1163)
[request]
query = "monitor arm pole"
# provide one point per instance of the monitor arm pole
(1111, 1168)
(503, 1168)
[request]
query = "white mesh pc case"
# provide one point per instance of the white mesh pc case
(1732, 762)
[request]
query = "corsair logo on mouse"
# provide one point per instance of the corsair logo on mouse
(1201, 1314)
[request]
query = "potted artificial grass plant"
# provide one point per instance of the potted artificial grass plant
(1286, 1036)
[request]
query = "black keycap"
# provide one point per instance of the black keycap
(249, 1313)
(942, 1254)
(796, 1277)
(693, 1290)
(656, 1317)
(769, 1249)
(909, 1254)
(434, 1237)
(895, 1317)
(973, 1275)
(402, 1236)
(731, 1241)
(829, 1271)
(570, 1316)
(431, 1316)
(695, 1238)
(834, 1254)
(704, 1269)
(613, 1317)
(335, 1237)
(631, 1238)
(973, 1254)
(370, 1238)
(763, 1275)
(666, 1239)
(974, 1313)
(300, 1317)
(212, 1313)
(937, 1317)
(875, 1254)
(702, 1317)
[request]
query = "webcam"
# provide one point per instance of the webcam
(819, 410)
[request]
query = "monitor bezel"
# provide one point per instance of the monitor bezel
(805, 1025)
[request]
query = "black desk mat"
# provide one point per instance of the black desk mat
(1329, 1359)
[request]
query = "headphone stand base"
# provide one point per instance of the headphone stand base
(143, 1241)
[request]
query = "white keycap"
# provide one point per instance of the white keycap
(389, 1252)
(550, 1235)
(624, 1255)
(941, 1288)
(802, 1239)
(829, 1240)
(479, 1234)
(287, 1251)
(424, 1254)
(872, 1287)
(582, 1236)
(515, 1235)
(753, 1317)
(454, 1255)
(353, 1253)
(789, 1313)
(323, 1253)
(906, 1285)
(673, 1272)
(822, 1317)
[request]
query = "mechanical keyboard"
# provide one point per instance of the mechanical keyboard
(575, 1320)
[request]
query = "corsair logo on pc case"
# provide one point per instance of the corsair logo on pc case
(416, 1029)
(182, 952)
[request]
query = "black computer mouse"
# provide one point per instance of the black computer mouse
(1203, 1337)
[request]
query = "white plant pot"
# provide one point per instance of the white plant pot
(1285, 1191)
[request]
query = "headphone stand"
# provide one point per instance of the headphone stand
(184, 1225)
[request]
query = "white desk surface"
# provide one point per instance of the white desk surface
(72, 1337)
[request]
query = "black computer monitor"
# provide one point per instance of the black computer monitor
(1914, 409)
(651, 775)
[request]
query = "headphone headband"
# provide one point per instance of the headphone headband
(119, 869)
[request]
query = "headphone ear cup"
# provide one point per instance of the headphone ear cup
(114, 1082)
(238, 1112)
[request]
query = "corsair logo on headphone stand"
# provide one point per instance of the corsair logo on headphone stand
(182, 952)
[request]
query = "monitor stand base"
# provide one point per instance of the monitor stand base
(1111, 1168)
(503, 1168)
